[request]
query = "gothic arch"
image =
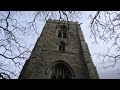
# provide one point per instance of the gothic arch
(60, 70)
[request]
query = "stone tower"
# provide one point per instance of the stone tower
(60, 53)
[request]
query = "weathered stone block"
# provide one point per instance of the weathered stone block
(80, 34)
(84, 48)
(90, 68)
(87, 57)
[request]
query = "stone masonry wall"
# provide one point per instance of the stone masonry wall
(46, 53)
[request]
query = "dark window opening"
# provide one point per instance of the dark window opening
(59, 34)
(62, 46)
(53, 77)
(63, 32)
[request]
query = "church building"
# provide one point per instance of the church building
(60, 53)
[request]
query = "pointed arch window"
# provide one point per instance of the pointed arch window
(61, 71)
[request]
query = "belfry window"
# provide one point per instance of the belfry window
(62, 46)
(62, 32)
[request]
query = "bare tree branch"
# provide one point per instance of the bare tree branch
(105, 26)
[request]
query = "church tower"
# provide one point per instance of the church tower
(60, 53)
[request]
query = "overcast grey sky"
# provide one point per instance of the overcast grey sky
(110, 73)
